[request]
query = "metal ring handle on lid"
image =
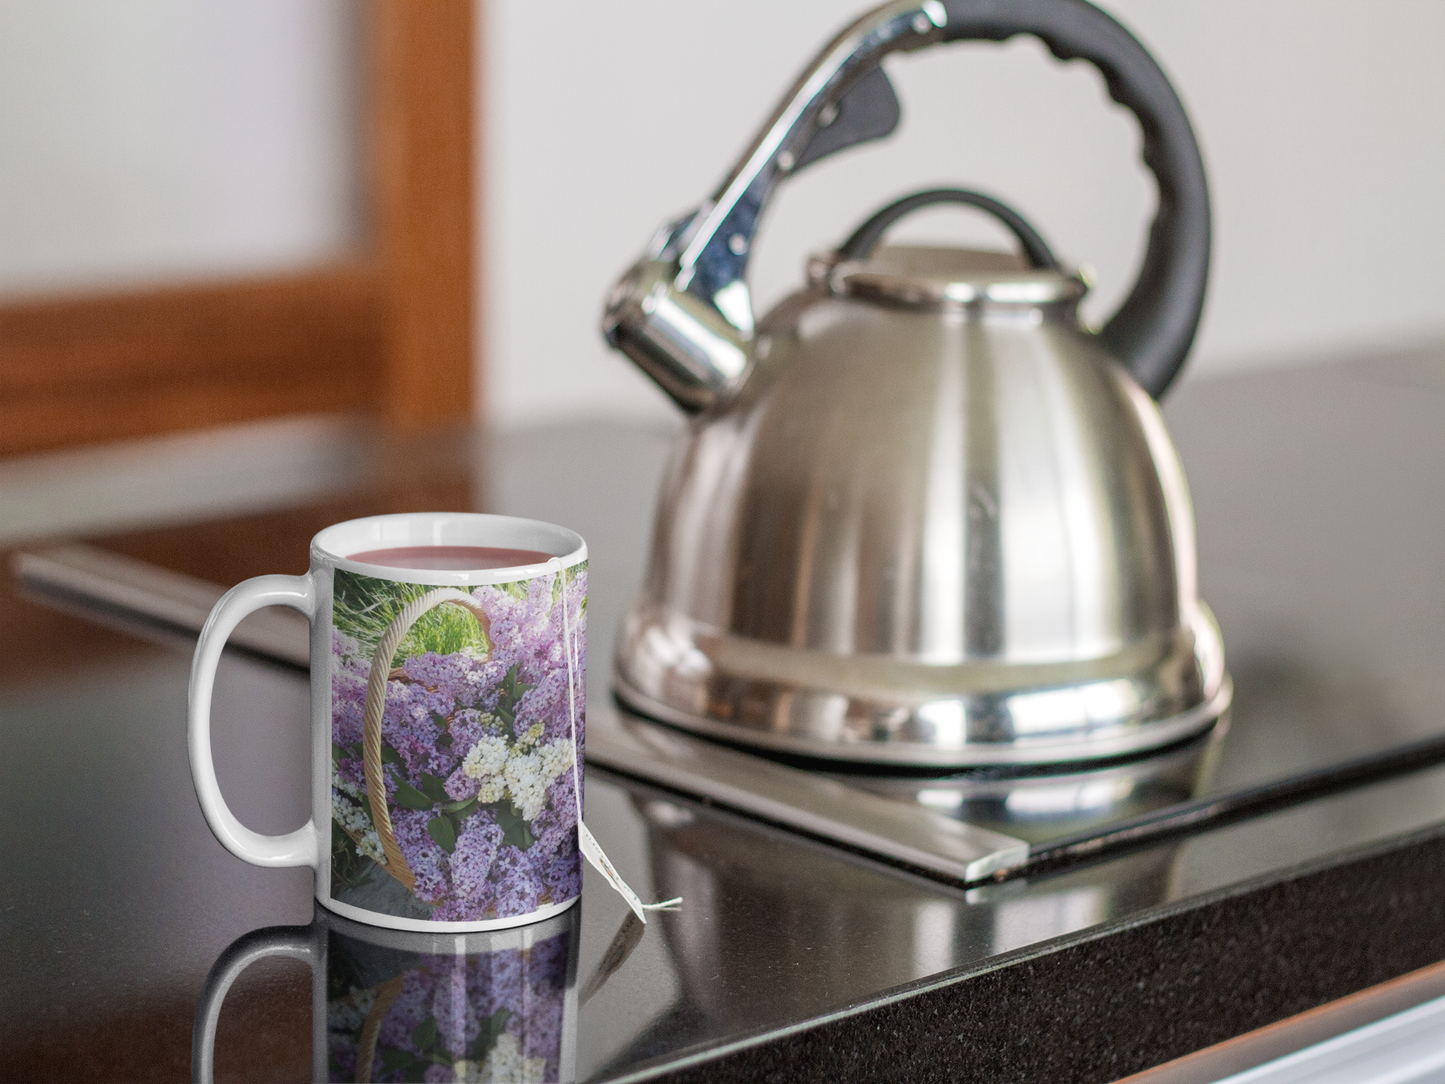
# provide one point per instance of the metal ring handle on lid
(866, 237)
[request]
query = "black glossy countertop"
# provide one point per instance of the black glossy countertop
(1319, 519)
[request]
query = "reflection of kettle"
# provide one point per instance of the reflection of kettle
(921, 516)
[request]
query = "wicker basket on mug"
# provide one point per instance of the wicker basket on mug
(382, 672)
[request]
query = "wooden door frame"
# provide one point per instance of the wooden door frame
(388, 331)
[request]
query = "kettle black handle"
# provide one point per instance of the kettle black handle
(1153, 329)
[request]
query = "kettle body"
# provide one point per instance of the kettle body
(920, 516)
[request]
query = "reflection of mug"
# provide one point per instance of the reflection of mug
(447, 661)
(394, 1005)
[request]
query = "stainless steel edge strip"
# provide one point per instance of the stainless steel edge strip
(895, 831)
(157, 595)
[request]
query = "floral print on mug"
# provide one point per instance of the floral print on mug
(478, 819)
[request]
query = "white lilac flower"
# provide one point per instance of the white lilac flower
(369, 846)
(556, 759)
(505, 1064)
(348, 814)
(530, 774)
(526, 785)
(487, 759)
(346, 786)
(352, 817)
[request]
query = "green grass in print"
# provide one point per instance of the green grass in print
(364, 607)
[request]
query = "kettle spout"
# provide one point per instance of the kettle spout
(683, 312)
(684, 342)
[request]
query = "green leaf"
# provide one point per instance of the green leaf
(424, 1037)
(393, 1059)
(347, 867)
(444, 832)
(461, 809)
(434, 787)
(440, 719)
(389, 755)
(444, 741)
(515, 831)
(408, 797)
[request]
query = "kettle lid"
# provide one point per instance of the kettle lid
(934, 278)
(924, 277)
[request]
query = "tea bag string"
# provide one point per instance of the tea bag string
(591, 849)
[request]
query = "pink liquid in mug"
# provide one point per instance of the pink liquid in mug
(451, 558)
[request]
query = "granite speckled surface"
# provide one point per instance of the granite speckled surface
(1105, 1003)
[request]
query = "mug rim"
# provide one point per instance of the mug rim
(332, 545)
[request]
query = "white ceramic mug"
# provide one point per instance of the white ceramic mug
(447, 723)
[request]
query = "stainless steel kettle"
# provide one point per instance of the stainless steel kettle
(921, 516)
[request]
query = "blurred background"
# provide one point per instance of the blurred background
(425, 210)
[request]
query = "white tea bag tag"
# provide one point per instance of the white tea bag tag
(593, 852)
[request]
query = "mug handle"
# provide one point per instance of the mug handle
(298, 942)
(301, 847)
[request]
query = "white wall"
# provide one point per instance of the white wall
(164, 139)
(1321, 122)
(157, 139)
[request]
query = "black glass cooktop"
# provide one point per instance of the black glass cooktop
(1318, 533)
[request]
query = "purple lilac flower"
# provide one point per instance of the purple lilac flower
(518, 886)
(426, 859)
(467, 725)
(495, 981)
(461, 787)
(472, 860)
(540, 1022)
(529, 632)
(457, 1022)
(563, 876)
(557, 823)
(456, 678)
(407, 1011)
(348, 689)
(413, 735)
